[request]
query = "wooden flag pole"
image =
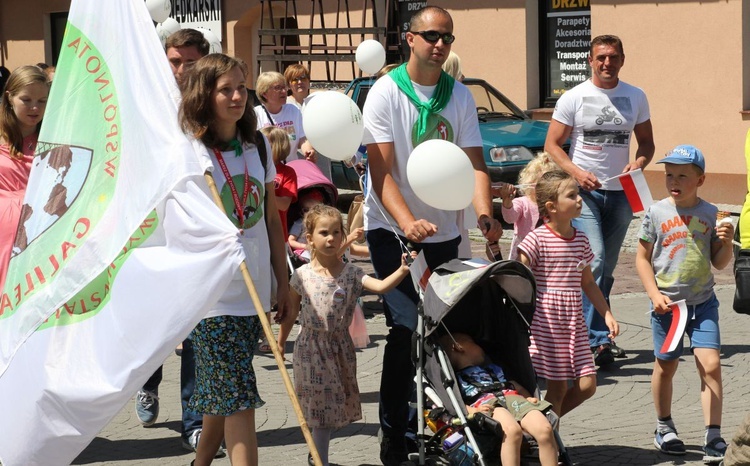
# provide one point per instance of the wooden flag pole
(270, 337)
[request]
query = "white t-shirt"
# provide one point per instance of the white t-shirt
(389, 116)
(254, 238)
(290, 120)
(292, 101)
(603, 122)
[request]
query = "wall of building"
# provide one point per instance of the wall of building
(687, 56)
(23, 29)
(692, 59)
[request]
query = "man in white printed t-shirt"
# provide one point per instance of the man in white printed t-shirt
(415, 102)
(600, 115)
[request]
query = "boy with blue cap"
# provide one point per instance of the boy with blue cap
(679, 241)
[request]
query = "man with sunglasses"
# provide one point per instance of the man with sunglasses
(599, 116)
(415, 102)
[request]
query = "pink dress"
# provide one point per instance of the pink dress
(559, 337)
(14, 175)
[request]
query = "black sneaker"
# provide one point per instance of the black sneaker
(393, 453)
(617, 351)
(603, 355)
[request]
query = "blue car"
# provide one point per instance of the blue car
(509, 137)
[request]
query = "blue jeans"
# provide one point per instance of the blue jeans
(190, 420)
(604, 219)
(397, 379)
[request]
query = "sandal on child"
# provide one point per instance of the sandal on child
(264, 346)
(667, 442)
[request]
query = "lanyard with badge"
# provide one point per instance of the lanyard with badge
(239, 205)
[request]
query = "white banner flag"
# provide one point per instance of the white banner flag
(120, 251)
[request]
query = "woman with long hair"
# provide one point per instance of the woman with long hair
(215, 111)
(21, 112)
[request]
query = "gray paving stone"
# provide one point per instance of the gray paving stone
(615, 427)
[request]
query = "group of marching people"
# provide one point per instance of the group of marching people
(413, 102)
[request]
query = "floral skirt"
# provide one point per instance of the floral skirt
(225, 378)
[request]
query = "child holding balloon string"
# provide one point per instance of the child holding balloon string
(323, 295)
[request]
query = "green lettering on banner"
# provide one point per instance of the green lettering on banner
(94, 296)
(74, 172)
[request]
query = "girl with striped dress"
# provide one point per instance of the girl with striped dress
(560, 258)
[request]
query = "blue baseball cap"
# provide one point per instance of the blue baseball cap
(685, 154)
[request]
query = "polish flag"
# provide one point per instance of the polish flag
(677, 327)
(420, 272)
(636, 190)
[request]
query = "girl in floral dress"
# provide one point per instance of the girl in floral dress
(323, 294)
(559, 256)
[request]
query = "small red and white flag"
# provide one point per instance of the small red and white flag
(420, 272)
(636, 190)
(677, 328)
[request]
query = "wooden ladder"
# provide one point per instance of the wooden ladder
(282, 46)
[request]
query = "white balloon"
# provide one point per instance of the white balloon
(159, 9)
(441, 175)
(370, 56)
(213, 40)
(333, 125)
(167, 28)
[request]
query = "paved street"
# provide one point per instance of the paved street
(613, 428)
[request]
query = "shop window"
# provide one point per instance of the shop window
(57, 31)
(564, 38)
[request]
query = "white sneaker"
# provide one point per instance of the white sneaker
(191, 443)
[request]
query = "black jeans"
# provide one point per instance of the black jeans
(400, 304)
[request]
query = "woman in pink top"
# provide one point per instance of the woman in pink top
(21, 112)
(522, 211)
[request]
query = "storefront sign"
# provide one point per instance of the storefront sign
(406, 9)
(568, 37)
(204, 14)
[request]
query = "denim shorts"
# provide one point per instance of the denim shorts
(702, 328)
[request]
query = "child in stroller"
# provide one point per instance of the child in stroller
(493, 304)
(485, 389)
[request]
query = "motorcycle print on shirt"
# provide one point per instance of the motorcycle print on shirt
(606, 121)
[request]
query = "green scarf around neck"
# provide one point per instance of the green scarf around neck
(437, 102)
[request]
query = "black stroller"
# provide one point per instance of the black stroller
(494, 304)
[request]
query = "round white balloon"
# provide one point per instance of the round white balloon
(167, 28)
(213, 40)
(159, 9)
(370, 56)
(333, 125)
(441, 175)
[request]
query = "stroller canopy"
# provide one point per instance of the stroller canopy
(309, 176)
(451, 282)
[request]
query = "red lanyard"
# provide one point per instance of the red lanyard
(239, 206)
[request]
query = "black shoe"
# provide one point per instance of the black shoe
(603, 355)
(393, 453)
(617, 351)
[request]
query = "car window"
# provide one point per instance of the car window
(363, 91)
(486, 101)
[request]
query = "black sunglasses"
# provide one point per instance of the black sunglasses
(433, 36)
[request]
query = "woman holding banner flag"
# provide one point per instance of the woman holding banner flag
(215, 111)
(21, 112)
